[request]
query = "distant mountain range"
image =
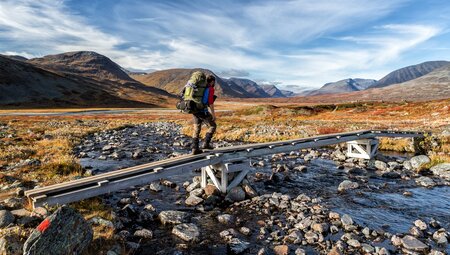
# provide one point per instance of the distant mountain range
(88, 79)
(347, 85)
(409, 73)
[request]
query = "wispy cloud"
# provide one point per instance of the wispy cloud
(302, 42)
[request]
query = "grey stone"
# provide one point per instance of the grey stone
(236, 194)
(354, 243)
(300, 251)
(192, 186)
(380, 165)
(237, 246)
(441, 170)
(63, 232)
(173, 217)
(101, 222)
(155, 186)
(420, 224)
(425, 181)
(6, 218)
(412, 243)
(347, 185)
(420, 160)
(144, 233)
(346, 220)
(193, 200)
(197, 192)
(187, 231)
(225, 218)
(407, 165)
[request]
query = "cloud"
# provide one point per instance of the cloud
(234, 73)
(296, 42)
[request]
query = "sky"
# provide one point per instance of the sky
(293, 44)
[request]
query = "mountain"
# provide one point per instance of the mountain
(25, 85)
(85, 63)
(272, 90)
(71, 80)
(288, 93)
(15, 57)
(409, 73)
(173, 81)
(342, 86)
(249, 86)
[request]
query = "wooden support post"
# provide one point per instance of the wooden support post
(365, 148)
(224, 183)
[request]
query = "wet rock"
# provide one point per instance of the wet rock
(197, 192)
(442, 170)
(281, 250)
(144, 233)
(380, 165)
(236, 194)
(441, 236)
(420, 160)
(346, 220)
(300, 251)
(391, 175)
(415, 231)
(192, 186)
(211, 190)
(245, 231)
(407, 165)
(396, 241)
(367, 248)
(155, 186)
(420, 224)
(237, 246)
(249, 190)
(301, 169)
(193, 200)
(173, 217)
(412, 243)
(225, 219)
(347, 185)
(354, 243)
(73, 232)
(320, 227)
(6, 218)
(425, 181)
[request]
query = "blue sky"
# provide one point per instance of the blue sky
(305, 43)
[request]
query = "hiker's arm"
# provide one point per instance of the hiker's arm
(213, 113)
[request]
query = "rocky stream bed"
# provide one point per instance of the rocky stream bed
(314, 201)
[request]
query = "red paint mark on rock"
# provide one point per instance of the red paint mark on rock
(43, 226)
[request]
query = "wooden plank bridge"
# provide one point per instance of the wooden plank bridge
(225, 160)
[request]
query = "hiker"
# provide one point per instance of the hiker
(196, 98)
(205, 117)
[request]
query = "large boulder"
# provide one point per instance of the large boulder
(63, 232)
(420, 160)
(6, 218)
(441, 170)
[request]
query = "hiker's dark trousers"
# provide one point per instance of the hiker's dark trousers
(204, 118)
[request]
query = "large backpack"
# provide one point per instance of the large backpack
(192, 94)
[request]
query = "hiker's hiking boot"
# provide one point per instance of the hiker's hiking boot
(195, 147)
(207, 144)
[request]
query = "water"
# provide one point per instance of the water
(378, 203)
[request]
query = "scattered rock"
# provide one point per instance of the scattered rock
(10, 245)
(144, 233)
(347, 185)
(187, 231)
(442, 170)
(211, 190)
(237, 246)
(73, 232)
(281, 250)
(425, 181)
(346, 220)
(420, 160)
(173, 217)
(193, 200)
(225, 219)
(6, 218)
(420, 224)
(155, 186)
(412, 243)
(236, 194)
(380, 165)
